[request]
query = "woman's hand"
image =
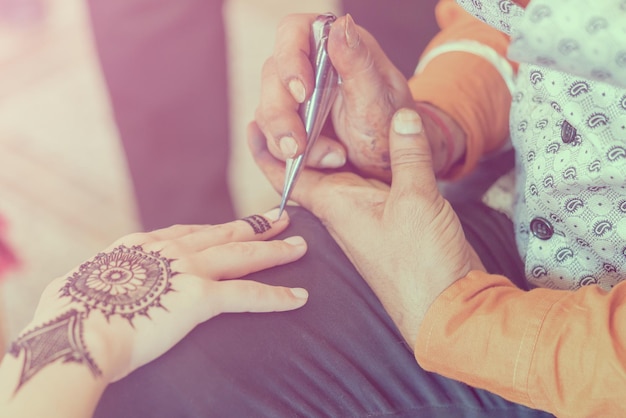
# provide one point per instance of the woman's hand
(372, 90)
(405, 240)
(139, 297)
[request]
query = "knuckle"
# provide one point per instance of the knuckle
(280, 247)
(178, 248)
(273, 112)
(268, 69)
(284, 22)
(292, 20)
(251, 291)
(184, 229)
(266, 116)
(407, 157)
(260, 118)
(281, 58)
(136, 238)
(265, 123)
(245, 250)
(225, 231)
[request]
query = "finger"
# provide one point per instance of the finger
(410, 155)
(278, 118)
(274, 169)
(365, 70)
(253, 227)
(251, 296)
(326, 153)
(277, 115)
(287, 81)
(292, 52)
(314, 190)
(237, 259)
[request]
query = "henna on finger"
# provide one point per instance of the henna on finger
(258, 223)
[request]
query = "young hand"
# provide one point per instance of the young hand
(135, 300)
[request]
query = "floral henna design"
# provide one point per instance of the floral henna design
(59, 339)
(124, 282)
(258, 223)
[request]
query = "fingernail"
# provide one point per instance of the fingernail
(296, 241)
(288, 146)
(297, 90)
(352, 35)
(273, 215)
(333, 160)
(407, 122)
(299, 292)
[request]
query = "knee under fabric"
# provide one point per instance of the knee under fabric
(339, 355)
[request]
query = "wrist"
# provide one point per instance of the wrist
(107, 346)
(45, 374)
(446, 138)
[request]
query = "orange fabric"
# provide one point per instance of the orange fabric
(466, 86)
(559, 351)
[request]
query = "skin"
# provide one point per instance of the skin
(360, 117)
(157, 287)
(424, 250)
(372, 89)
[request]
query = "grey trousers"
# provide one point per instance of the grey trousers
(338, 356)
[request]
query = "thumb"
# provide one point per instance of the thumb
(410, 154)
(360, 62)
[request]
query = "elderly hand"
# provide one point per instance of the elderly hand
(372, 90)
(405, 240)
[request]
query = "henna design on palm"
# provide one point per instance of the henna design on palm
(258, 223)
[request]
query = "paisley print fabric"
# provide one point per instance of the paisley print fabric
(568, 126)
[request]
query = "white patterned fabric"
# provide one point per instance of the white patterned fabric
(568, 126)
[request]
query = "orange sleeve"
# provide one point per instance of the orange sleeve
(466, 86)
(558, 351)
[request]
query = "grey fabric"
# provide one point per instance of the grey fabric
(339, 356)
(164, 63)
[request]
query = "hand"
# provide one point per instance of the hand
(405, 240)
(372, 90)
(138, 298)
